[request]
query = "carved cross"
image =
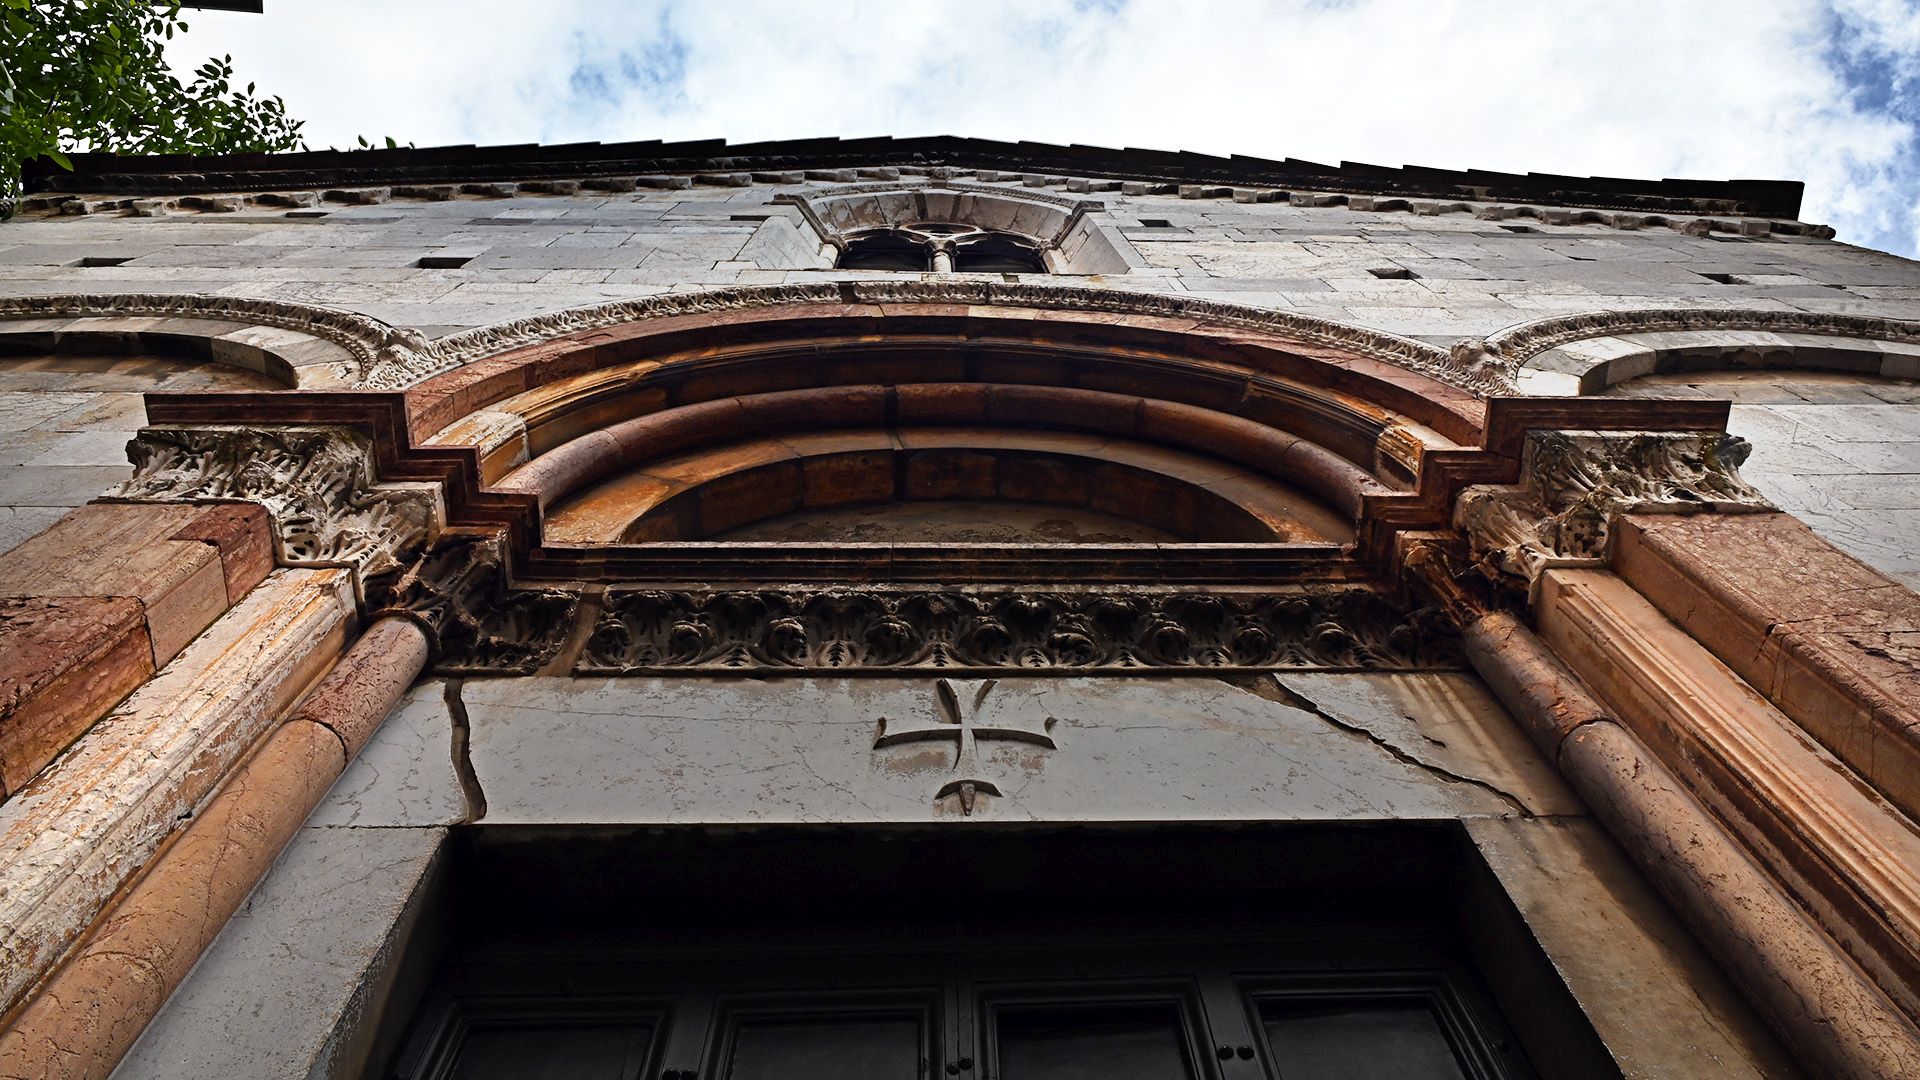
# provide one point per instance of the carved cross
(959, 722)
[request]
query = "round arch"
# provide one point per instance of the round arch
(1585, 354)
(1293, 422)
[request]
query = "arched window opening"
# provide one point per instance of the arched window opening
(943, 247)
(997, 253)
(886, 249)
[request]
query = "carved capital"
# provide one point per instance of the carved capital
(644, 631)
(318, 483)
(460, 593)
(1573, 484)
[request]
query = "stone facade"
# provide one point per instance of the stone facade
(516, 526)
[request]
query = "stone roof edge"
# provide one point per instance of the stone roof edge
(182, 174)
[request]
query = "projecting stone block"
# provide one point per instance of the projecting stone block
(1835, 644)
(359, 196)
(63, 663)
(241, 533)
(109, 550)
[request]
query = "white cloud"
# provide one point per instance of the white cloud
(1648, 88)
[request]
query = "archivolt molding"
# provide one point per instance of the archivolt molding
(318, 483)
(809, 203)
(393, 358)
(462, 348)
(1509, 350)
(376, 346)
(1575, 483)
(642, 631)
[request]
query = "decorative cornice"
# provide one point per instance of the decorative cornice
(459, 592)
(159, 174)
(641, 631)
(374, 345)
(1511, 348)
(457, 349)
(318, 483)
(1575, 483)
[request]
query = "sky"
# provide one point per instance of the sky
(1825, 91)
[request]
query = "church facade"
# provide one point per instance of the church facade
(939, 608)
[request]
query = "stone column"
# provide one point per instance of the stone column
(1796, 873)
(1835, 1018)
(93, 1007)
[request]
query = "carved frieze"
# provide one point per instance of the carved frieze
(651, 630)
(459, 590)
(318, 483)
(1574, 483)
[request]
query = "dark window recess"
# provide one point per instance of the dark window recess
(942, 246)
(1092, 1042)
(443, 262)
(997, 255)
(772, 1048)
(104, 260)
(585, 1052)
(536, 1039)
(308, 213)
(1392, 273)
(885, 250)
(1311, 1039)
(1155, 223)
(1125, 1000)
(1178, 956)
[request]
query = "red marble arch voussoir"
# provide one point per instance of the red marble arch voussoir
(719, 426)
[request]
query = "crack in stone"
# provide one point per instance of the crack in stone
(1289, 696)
(470, 790)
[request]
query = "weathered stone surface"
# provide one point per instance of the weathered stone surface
(1834, 644)
(283, 989)
(1450, 723)
(111, 550)
(63, 662)
(94, 818)
(1656, 1000)
(93, 1007)
(1840, 848)
(705, 750)
(241, 533)
(405, 776)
